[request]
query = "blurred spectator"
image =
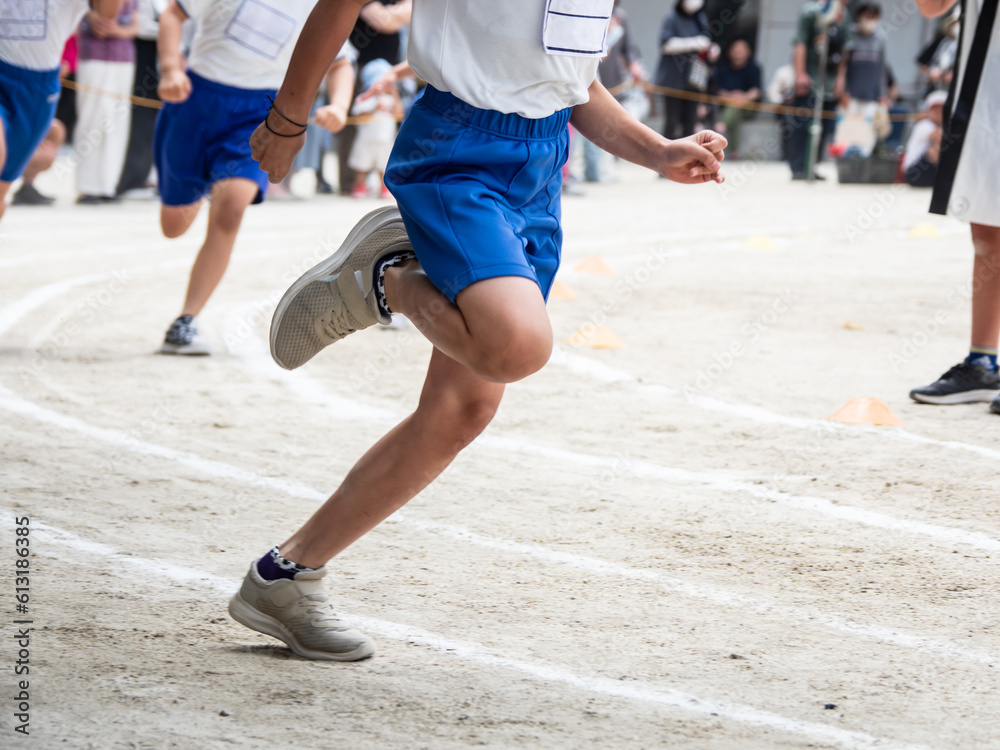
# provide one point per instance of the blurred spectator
(376, 35)
(66, 108)
(737, 80)
(43, 158)
(818, 23)
(920, 160)
(937, 59)
(621, 73)
(863, 82)
(105, 71)
(373, 142)
(139, 153)
(686, 50)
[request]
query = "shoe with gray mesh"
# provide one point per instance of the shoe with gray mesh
(337, 297)
(297, 611)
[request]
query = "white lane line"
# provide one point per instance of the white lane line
(591, 565)
(471, 652)
(253, 352)
(599, 371)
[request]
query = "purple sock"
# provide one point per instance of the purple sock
(273, 566)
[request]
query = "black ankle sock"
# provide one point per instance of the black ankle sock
(273, 566)
(387, 262)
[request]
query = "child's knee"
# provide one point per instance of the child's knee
(517, 355)
(457, 422)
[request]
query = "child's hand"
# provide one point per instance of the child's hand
(331, 117)
(383, 85)
(274, 153)
(175, 86)
(695, 159)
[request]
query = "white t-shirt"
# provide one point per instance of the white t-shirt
(245, 43)
(493, 54)
(34, 32)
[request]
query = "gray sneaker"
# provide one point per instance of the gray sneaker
(337, 297)
(297, 611)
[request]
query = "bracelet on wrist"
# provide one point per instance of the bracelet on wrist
(281, 114)
(282, 135)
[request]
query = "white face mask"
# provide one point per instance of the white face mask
(692, 6)
(867, 26)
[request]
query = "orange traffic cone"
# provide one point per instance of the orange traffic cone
(596, 337)
(865, 411)
(594, 264)
(561, 291)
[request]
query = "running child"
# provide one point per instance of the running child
(476, 174)
(238, 57)
(32, 37)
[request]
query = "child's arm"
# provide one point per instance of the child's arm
(934, 8)
(340, 87)
(175, 86)
(605, 123)
(324, 34)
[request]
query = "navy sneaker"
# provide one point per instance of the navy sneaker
(182, 338)
(962, 384)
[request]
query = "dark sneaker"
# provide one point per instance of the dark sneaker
(297, 611)
(89, 200)
(182, 338)
(337, 297)
(962, 384)
(995, 404)
(29, 196)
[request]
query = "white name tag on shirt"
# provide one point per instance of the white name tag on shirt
(23, 19)
(260, 28)
(577, 28)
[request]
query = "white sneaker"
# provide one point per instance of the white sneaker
(182, 338)
(337, 296)
(297, 611)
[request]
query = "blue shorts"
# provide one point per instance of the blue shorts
(206, 139)
(479, 191)
(28, 101)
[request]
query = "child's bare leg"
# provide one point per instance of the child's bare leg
(176, 220)
(499, 329)
(986, 286)
(455, 406)
(230, 199)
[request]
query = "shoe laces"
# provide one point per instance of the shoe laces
(322, 612)
(337, 322)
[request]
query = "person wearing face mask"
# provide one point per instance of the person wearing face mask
(862, 79)
(686, 49)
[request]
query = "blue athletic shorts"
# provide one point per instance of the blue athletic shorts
(206, 139)
(28, 101)
(479, 191)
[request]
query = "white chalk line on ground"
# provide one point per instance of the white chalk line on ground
(477, 654)
(253, 352)
(124, 441)
(607, 374)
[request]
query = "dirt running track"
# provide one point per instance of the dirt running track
(658, 546)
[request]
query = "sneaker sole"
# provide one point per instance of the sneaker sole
(252, 618)
(326, 268)
(965, 397)
(185, 350)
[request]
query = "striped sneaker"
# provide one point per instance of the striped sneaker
(337, 296)
(297, 611)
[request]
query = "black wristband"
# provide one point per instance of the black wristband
(283, 135)
(281, 114)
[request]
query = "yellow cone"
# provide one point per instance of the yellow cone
(865, 411)
(924, 231)
(760, 242)
(596, 337)
(594, 264)
(561, 291)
